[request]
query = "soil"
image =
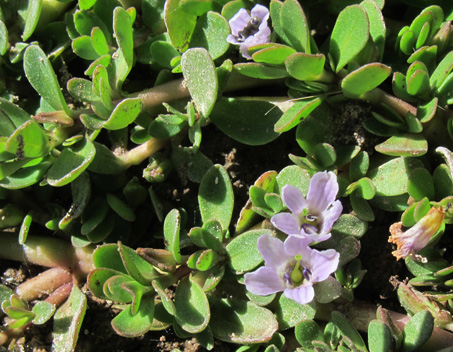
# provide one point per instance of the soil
(244, 165)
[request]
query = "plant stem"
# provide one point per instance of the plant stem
(45, 283)
(142, 152)
(177, 89)
(378, 96)
(48, 251)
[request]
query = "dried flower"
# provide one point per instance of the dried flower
(291, 267)
(249, 29)
(310, 217)
(418, 236)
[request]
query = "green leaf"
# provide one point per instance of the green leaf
(196, 7)
(235, 321)
(418, 82)
(295, 26)
(305, 67)
(404, 145)
(273, 55)
(3, 38)
(27, 176)
(83, 47)
(296, 113)
(246, 120)
(201, 77)
(275, 8)
(86, 4)
(136, 266)
(132, 325)
(32, 17)
(377, 24)
(180, 24)
(420, 184)
(192, 306)
(41, 76)
(71, 163)
(379, 337)
(43, 311)
(11, 117)
(28, 141)
(289, 313)
(163, 53)
(122, 27)
(82, 89)
(327, 290)
(172, 227)
(120, 207)
(124, 114)
(417, 331)
(210, 33)
(442, 71)
(243, 252)
(349, 36)
(97, 278)
(364, 79)
(347, 330)
(68, 320)
(262, 71)
(215, 196)
(308, 331)
(99, 42)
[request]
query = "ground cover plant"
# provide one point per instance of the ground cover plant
(226, 175)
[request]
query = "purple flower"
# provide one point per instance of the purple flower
(310, 217)
(249, 29)
(291, 267)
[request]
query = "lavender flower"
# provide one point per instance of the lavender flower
(249, 29)
(310, 217)
(291, 267)
(418, 236)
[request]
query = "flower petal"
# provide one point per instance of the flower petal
(303, 294)
(272, 251)
(314, 237)
(330, 216)
(260, 12)
(322, 191)
(293, 199)
(264, 281)
(287, 223)
(295, 245)
(322, 264)
(239, 21)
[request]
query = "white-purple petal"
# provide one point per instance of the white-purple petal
(322, 191)
(330, 215)
(273, 252)
(264, 281)
(239, 21)
(295, 245)
(287, 223)
(293, 199)
(303, 294)
(260, 12)
(323, 263)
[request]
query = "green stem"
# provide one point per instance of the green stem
(48, 251)
(378, 96)
(177, 89)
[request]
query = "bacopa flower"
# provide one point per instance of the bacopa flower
(291, 267)
(417, 237)
(310, 217)
(249, 29)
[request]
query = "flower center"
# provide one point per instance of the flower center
(309, 222)
(250, 29)
(295, 275)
